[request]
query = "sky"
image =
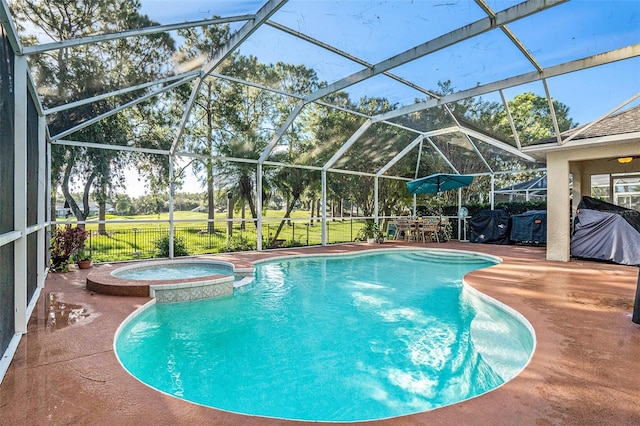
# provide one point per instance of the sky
(377, 30)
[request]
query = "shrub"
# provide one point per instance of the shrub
(282, 244)
(238, 243)
(65, 242)
(162, 246)
(369, 230)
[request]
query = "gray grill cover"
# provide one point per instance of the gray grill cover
(605, 236)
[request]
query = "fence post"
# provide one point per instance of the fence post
(136, 252)
(351, 229)
(229, 214)
(293, 231)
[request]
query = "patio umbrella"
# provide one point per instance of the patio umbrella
(437, 183)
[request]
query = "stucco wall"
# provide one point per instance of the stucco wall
(584, 162)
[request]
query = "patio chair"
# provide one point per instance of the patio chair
(413, 230)
(422, 230)
(431, 228)
(402, 229)
(392, 229)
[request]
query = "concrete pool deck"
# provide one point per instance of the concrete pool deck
(584, 370)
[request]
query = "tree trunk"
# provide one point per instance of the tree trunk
(242, 215)
(210, 190)
(102, 216)
(80, 215)
(246, 190)
(210, 199)
(313, 205)
(52, 206)
(284, 219)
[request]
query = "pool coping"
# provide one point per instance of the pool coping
(278, 258)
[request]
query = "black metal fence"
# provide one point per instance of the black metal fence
(126, 241)
(144, 241)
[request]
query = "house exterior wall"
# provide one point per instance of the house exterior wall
(584, 161)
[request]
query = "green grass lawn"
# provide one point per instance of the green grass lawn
(132, 239)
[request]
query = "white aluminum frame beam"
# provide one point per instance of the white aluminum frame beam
(418, 140)
(324, 104)
(110, 147)
(475, 148)
(215, 157)
(186, 113)
(354, 137)
(484, 6)
(262, 16)
(444, 157)
(552, 110)
(346, 55)
(20, 156)
(85, 101)
(121, 107)
(351, 172)
(256, 85)
(481, 26)
(265, 12)
(516, 137)
(172, 194)
(10, 28)
(292, 166)
(415, 175)
(281, 131)
(33, 91)
(498, 144)
(553, 71)
(400, 155)
(64, 44)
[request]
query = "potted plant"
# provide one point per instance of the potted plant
(65, 242)
(370, 232)
(83, 259)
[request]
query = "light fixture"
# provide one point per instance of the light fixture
(625, 160)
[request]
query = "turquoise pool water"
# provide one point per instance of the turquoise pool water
(160, 271)
(341, 338)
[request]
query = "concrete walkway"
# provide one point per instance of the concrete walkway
(585, 369)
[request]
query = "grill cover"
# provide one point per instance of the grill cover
(490, 227)
(530, 227)
(606, 234)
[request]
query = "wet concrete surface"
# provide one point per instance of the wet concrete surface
(584, 370)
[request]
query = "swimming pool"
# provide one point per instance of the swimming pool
(336, 338)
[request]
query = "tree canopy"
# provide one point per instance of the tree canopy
(232, 120)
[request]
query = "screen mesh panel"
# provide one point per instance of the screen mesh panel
(32, 163)
(6, 134)
(7, 318)
(7, 294)
(32, 264)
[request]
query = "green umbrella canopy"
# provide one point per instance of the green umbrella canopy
(437, 183)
